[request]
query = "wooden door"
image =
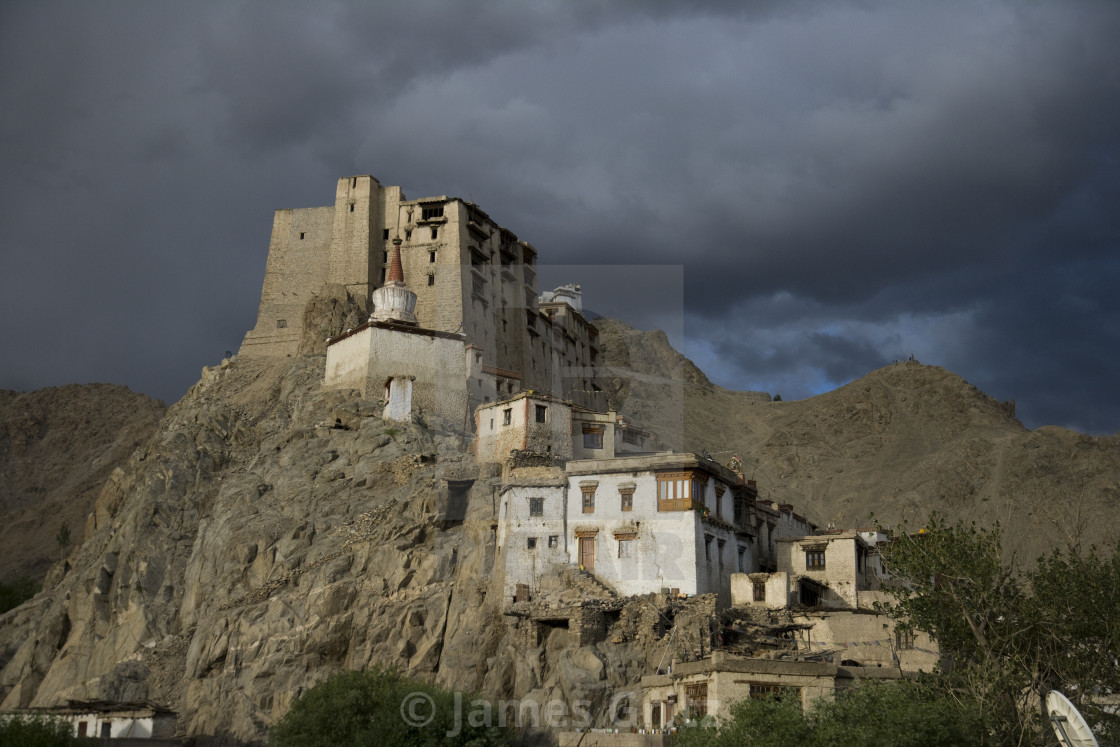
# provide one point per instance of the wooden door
(587, 553)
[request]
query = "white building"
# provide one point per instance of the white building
(640, 522)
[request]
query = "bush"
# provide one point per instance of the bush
(36, 731)
(380, 707)
(879, 714)
(16, 593)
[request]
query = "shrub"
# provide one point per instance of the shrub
(380, 707)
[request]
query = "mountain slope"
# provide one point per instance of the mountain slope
(57, 447)
(898, 443)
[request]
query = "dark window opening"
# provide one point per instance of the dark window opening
(281, 323)
(301, 235)
(507, 416)
(351, 207)
(408, 234)
(431, 279)
(759, 591)
(432, 212)
(541, 412)
(432, 257)
(553, 540)
(385, 234)
(536, 506)
(435, 234)
(532, 543)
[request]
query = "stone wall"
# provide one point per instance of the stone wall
(296, 269)
(434, 363)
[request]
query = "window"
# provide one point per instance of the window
(435, 211)
(759, 591)
(627, 496)
(408, 234)
(675, 491)
(431, 258)
(532, 543)
(541, 412)
(385, 256)
(553, 540)
(592, 437)
(301, 235)
(281, 323)
(384, 234)
(763, 690)
(507, 416)
(351, 207)
(536, 506)
(742, 559)
(435, 234)
(697, 697)
(588, 500)
(382, 275)
(431, 279)
(708, 547)
(625, 548)
(814, 559)
(903, 639)
(354, 182)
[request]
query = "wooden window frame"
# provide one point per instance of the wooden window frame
(815, 559)
(696, 698)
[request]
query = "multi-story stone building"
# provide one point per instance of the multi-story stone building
(470, 275)
(579, 492)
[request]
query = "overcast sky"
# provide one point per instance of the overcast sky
(843, 183)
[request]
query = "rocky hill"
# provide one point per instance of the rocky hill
(270, 533)
(57, 447)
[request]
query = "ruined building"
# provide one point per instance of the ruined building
(472, 279)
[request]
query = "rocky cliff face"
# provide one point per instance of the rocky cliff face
(57, 447)
(271, 533)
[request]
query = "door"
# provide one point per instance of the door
(587, 553)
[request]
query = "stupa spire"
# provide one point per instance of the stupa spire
(393, 301)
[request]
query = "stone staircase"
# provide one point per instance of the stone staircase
(587, 584)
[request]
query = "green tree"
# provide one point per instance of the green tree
(63, 539)
(905, 714)
(380, 707)
(1008, 637)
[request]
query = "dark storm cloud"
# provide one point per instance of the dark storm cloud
(843, 184)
